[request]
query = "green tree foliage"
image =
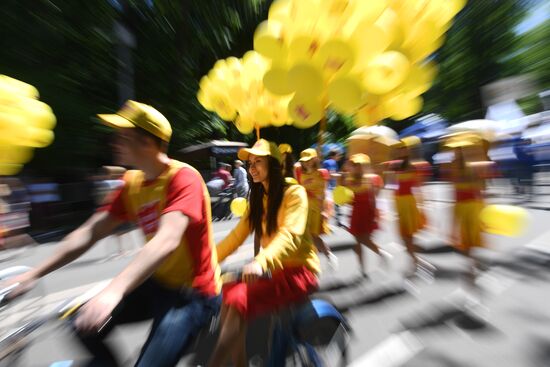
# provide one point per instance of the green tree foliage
(67, 49)
(474, 54)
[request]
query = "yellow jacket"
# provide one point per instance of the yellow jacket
(289, 246)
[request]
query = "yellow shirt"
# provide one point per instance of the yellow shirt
(315, 184)
(289, 246)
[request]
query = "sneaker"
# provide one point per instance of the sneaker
(332, 261)
(385, 258)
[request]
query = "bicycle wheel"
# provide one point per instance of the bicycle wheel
(324, 332)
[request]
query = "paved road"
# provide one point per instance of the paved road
(397, 321)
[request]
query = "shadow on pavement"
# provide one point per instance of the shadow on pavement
(341, 284)
(445, 316)
(371, 297)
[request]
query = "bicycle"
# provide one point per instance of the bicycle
(14, 343)
(221, 204)
(309, 333)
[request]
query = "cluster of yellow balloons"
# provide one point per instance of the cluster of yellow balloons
(365, 58)
(235, 91)
(25, 124)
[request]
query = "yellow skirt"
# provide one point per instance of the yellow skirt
(411, 220)
(317, 223)
(467, 224)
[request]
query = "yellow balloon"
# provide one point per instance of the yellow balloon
(37, 138)
(276, 81)
(303, 47)
(407, 107)
(12, 125)
(385, 72)
(366, 13)
(342, 195)
(504, 220)
(253, 61)
(346, 94)
(420, 78)
(371, 113)
(222, 106)
(369, 40)
(279, 116)
(305, 112)
(18, 87)
(204, 100)
(39, 114)
(421, 33)
(389, 23)
(268, 40)
(262, 116)
(336, 56)
(14, 154)
(244, 124)
(280, 10)
(306, 79)
(236, 95)
(239, 207)
(9, 169)
(422, 50)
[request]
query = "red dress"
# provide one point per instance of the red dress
(364, 216)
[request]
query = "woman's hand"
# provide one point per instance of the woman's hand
(252, 271)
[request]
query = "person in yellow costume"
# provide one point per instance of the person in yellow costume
(315, 180)
(277, 216)
(467, 173)
(407, 178)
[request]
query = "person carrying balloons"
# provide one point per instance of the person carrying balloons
(277, 215)
(407, 177)
(315, 179)
(364, 215)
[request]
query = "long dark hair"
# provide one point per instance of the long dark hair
(274, 199)
(288, 165)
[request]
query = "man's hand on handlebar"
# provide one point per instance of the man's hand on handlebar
(95, 314)
(23, 284)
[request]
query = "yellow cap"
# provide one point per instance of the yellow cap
(261, 148)
(285, 148)
(134, 114)
(308, 154)
(411, 141)
(360, 158)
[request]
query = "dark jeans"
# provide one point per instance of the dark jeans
(177, 318)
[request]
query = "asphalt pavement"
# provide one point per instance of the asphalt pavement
(427, 319)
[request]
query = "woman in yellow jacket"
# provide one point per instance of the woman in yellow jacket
(315, 180)
(277, 216)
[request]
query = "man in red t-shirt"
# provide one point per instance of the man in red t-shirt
(174, 279)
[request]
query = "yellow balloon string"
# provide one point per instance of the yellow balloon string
(257, 132)
(322, 128)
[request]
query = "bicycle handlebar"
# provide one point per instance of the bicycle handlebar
(237, 276)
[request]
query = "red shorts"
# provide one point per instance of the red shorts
(264, 296)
